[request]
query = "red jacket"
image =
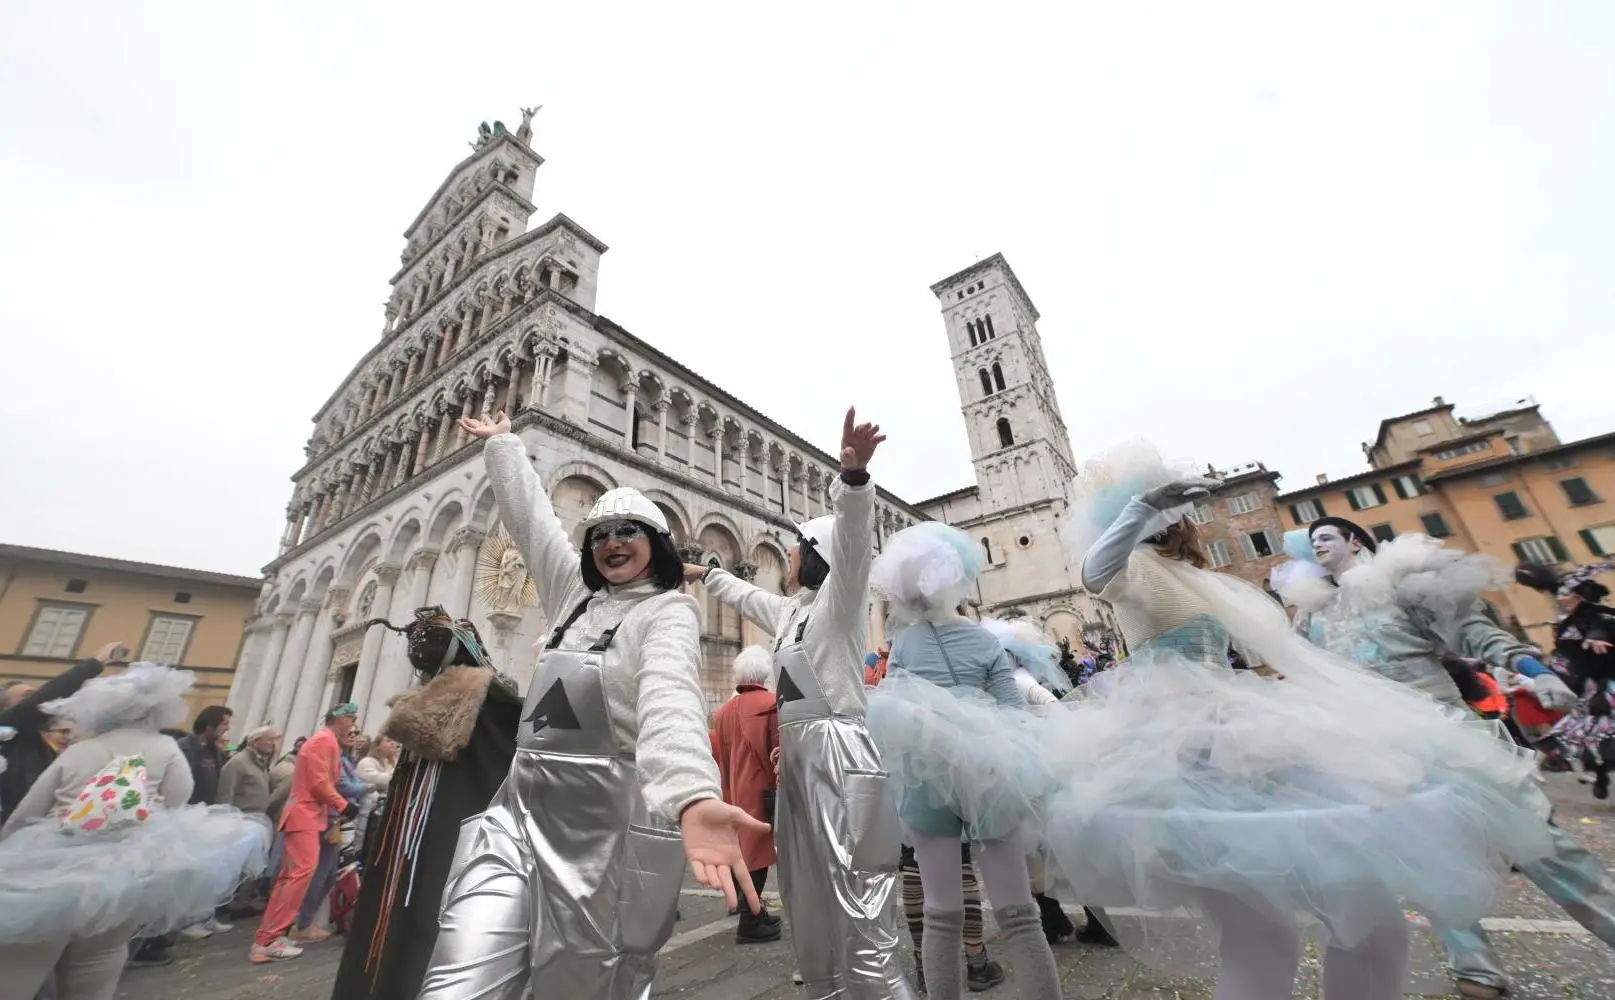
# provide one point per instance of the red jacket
(319, 764)
(744, 730)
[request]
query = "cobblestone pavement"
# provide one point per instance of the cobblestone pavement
(1549, 955)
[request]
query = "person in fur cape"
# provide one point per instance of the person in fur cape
(458, 734)
(1396, 608)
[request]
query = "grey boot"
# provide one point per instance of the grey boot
(942, 950)
(1021, 928)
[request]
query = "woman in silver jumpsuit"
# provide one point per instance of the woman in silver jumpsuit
(836, 825)
(569, 882)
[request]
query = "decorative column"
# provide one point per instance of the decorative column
(391, 672)
(289, 668)
(743, 453)
(660, 406)
(716, 436)
(340, 501)
(511, 382)
(630, 395)
(388, 461)
(279, 627)
(370, 651)
(411, 372)
(460, 435)
(405, 450)
(535, 388)
(306, 708)
(445, 430)
(421, 448)
(465, 544)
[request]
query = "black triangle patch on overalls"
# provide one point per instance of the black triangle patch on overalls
(554, 710)
(788, 691)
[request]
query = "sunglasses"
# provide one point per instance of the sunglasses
(615, 531)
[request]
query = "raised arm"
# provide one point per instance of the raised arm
(1482, 640)
(844, 597)
(1142, 517)
(525, 511)
(758, 606)
(674, 752)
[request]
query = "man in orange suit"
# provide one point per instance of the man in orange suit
(302, 823)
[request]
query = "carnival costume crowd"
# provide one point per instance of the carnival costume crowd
(1251, 774)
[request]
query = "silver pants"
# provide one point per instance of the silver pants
(567, 895)
(838, 838)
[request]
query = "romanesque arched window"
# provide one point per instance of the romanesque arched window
(998, 377)
(986, 382)
(1006, 437)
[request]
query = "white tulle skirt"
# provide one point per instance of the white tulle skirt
(172, 869)
(1334, 798)
(960, 762)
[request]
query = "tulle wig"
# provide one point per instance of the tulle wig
(145, 696)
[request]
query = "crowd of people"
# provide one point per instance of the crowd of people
(1231, 768)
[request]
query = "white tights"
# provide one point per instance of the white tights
(1002, 864)
(1260, 951)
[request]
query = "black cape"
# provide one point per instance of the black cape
(390, 944)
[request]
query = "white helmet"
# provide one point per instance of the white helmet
(815, 534)
(626, 504)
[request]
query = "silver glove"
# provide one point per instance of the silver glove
(1179, 492)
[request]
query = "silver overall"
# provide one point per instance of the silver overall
(838, 839)
(564, 883)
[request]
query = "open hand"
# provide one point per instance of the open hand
(1180, 492)
(486, 429)
(694, 573)
(711, 830)
(858, 441)
(1598, 646)
(113, 653)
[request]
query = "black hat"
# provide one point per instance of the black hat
(1537, 577)
(1350, 529)
(438, 641)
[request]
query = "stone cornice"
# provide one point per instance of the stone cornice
(981, 267)
(424, 255)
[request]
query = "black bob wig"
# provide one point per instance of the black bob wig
(813, 570)
(666, 565)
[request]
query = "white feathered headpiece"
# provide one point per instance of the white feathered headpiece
(926, 570)
(1108, 482)
(145, 696)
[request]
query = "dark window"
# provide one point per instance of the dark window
(987, 547)
(1261, 544)
(987, 324)
(1509, 505)
(986, 382)
(1540, 550)
(1600, 541)
(1408, 487)
(998, 377)
(1435, 525)
(182, 598)
(1006, 437)
(1383, 532)
(1577, 491)
(77, 586)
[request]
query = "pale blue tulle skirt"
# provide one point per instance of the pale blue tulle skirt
(172, 869)
(961, 764)
(1334, 799)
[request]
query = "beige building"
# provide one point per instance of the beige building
(1502, 484)
(58, 607)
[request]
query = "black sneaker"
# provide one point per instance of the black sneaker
(1057, 927)
(1601, 785)
(984, 975)
(152, 954)
(754, 930)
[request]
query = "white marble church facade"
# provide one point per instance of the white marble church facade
(392, 509)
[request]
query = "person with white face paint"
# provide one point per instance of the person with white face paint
(1395, 608)
(1312, 802)
(835, 826)
(569, 881)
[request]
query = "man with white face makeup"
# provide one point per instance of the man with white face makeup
(1368, 617)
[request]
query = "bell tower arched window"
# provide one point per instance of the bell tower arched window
(986, 382)
(1006, 437)
(998, 377)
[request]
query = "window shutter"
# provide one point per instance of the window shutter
(1401, 490)
(1558, 547)
(1351, 498)
(1318, 505)
(1275, 541)
(1247, 546)
(1519, 552)
(1379, 493)
(1591, 541)
(1295, 515)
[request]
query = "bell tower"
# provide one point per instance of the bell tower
(1018, 440)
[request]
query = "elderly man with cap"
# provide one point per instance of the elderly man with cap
(303, 824)
(836, 825)
(1396, 608)
(244, 780)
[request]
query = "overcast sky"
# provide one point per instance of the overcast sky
(1253, 230)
